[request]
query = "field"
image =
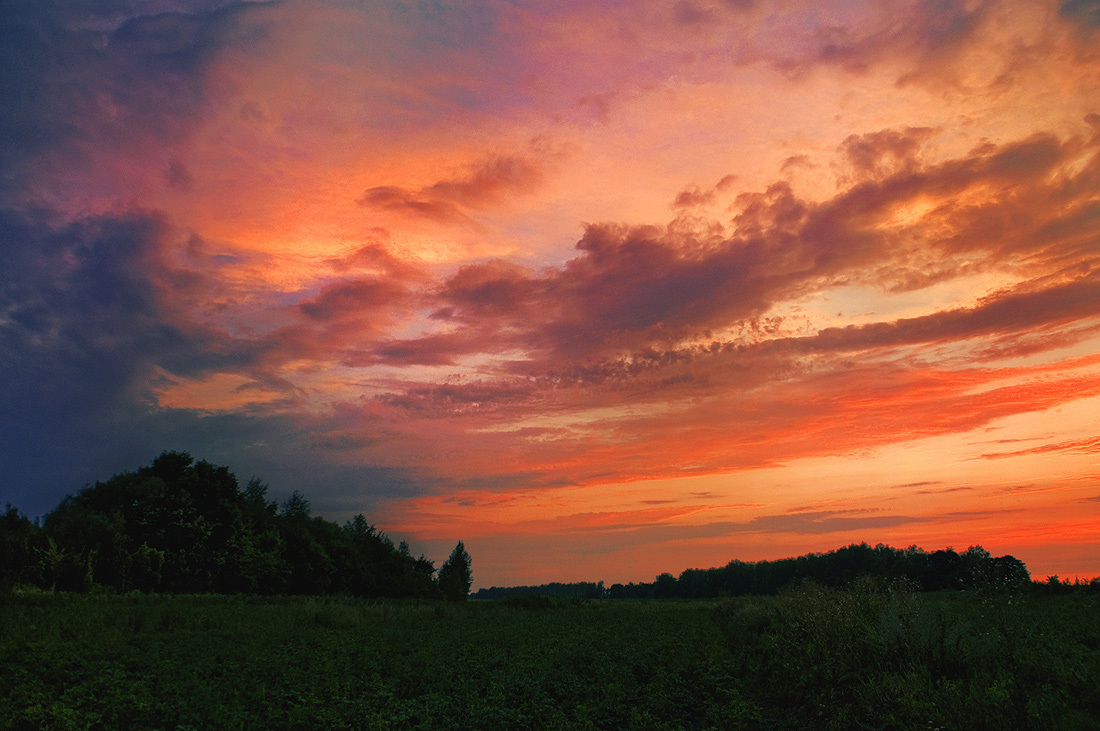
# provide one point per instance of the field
(868, 657)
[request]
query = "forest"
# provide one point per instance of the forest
(171, 597)
(181, 526)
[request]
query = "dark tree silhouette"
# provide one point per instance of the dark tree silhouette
(575, 590)
(18, 536)
(455, 576)
(937, 571)
(184, 526)
(296, 506)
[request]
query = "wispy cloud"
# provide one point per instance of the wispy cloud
(1073, 446)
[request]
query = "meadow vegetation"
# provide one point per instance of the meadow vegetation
(171, 598)
(873, 655)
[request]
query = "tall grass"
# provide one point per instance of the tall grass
(882, 656)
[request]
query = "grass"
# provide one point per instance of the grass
(810, 658)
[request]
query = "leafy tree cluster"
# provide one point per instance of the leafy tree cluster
(939, 570)
(575, 590)
(181, 526)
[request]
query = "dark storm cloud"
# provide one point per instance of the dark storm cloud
(82, 75)
(289, 451)
(1084, 12)
(926, 35)
(98, 296)
(88, 311)
(90, 307)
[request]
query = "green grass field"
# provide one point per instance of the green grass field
(809, 658)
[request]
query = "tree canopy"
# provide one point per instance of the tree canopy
(186, 526)
(935, 571)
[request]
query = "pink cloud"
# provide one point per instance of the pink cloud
(632, 288)
(448, 201)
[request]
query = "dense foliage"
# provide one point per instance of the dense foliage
(872, 655)
(181, 526)
(936, 571)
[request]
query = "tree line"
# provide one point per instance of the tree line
(573, 590)
(936, 571)
(186, 526)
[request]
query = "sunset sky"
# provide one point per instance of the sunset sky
(602, 289)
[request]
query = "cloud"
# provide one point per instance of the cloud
(826, 522)
(493, 289)
(355, 298)
(589, 365)
(942, 490)
(635, 288)
(400, 200)
(922, 483)
(1084, 12)
(83, 78)
(490, 183)
(877, 155)
(924, 35)
(377, 257)
(1004, 313)
(1089, 445)
(619, 529)
(431, 350)
(88, 312)
(653, 353)
(92, 314)
(458, 399)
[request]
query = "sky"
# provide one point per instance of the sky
(602, 289)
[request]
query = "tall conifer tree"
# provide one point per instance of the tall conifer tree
(455, 576)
